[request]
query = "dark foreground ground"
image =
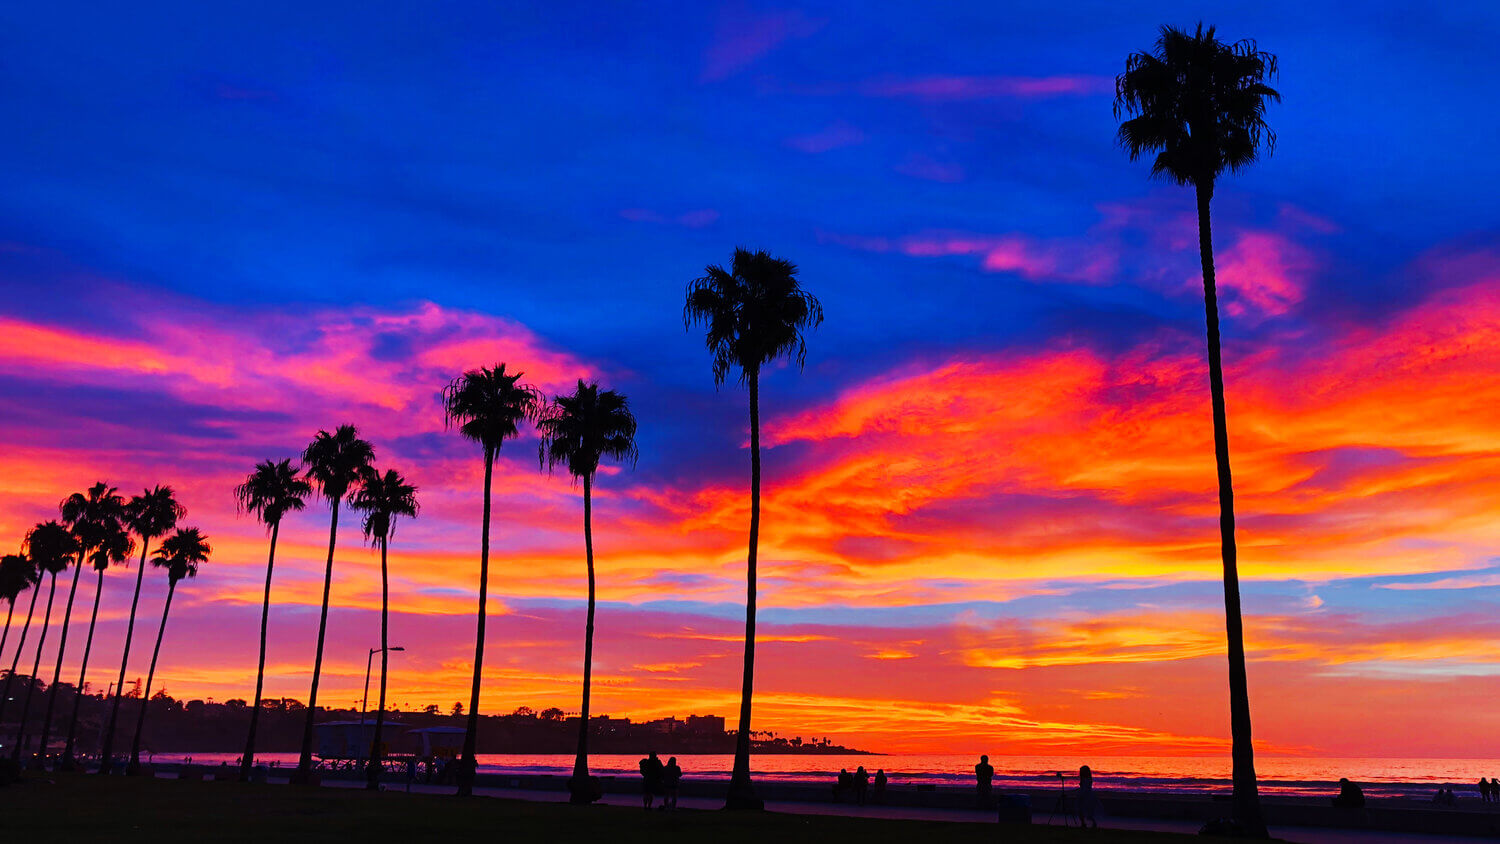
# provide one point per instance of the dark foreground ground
(70, 807)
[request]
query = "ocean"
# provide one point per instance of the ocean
(1283, 775)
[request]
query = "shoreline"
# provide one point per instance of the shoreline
(1390, 815)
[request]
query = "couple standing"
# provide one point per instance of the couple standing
(658, 780)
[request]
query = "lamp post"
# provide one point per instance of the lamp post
(369, 662)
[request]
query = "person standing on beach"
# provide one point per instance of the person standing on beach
(861, 785)
(671, 776)
(652, 772)
(1088, 805)
(880, 787)
(985, 774)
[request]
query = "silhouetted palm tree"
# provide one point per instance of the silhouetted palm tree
(113, 548)
(382, 498)
(488, 405)
(754, 313)
(90, 516)
(180, 554)
(270, 492)
(151, 514)
(51, 547)
(335, 463)
(17, 574)
(578, 430)
(1199, 105)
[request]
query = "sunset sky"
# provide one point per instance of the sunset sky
(990, 521)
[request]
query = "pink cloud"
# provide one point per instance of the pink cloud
(833, 136)
(743, 36)
(923, 167)
(938, 88)
(1263, 271)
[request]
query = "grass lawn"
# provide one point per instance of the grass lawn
(86, 808)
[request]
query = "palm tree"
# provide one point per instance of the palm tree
(382, 498)
(180, 554)
(17, 573)
(1199, 105)
(90, 516)
(113, 548)
(270, 492)
(151, 514)
(754, 313)
(488, 405)
(52, 548)
(335, 462)
(577, 431)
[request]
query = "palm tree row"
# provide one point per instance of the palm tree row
(1194, 103)
(96, 528)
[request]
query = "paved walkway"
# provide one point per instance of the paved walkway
(1299, 835)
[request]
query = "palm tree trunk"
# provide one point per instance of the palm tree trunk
(114, 709)
(140, 721)
(372, 771)
(303, 775)
(83, 671)
(469, 764)
(248, 760)
(6, 635)
(741, 792)
(582, 789)
(1247, 812)
(36, 666)
(10, 678)
(62, 648)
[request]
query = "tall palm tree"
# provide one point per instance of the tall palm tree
(1199, 104)
(488, 405)
(754, 313)
(113, 548)
(90, 516)
(270, 492)
(382, 498)
(577, 431)
(151, 514)
(17, 573)
(52, 548)
(335, 462)
(180, 554)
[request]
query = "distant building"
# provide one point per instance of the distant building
(666, 726)
(705, 724)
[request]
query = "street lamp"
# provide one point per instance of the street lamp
(366, 701)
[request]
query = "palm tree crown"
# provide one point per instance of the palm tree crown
(336, 461)
(488, 404)
(579, 429)
(181, 554)
(51, 547)
(755, 312)
(271, 491)
(154, 512)
(383, 497)
(17, 574)
(112, 548)
(1198, 103)
(94, 515)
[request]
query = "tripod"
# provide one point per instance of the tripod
(1060, 807)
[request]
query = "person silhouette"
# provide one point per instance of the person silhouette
(861, 785)
(880, 782)
(1350, 796)
(671, 776)
(984, 775)
(844, 783)
(652, 771)
(1484, 790)
(1088, 804)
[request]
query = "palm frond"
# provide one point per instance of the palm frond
(336, 461)
(488, 405)
(580, 429)
(752, 313)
